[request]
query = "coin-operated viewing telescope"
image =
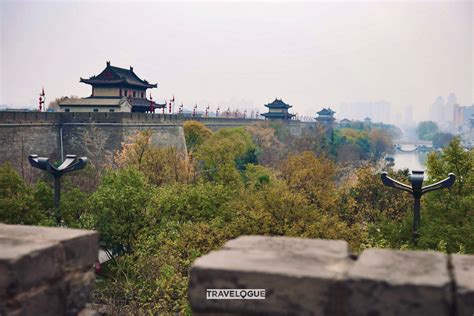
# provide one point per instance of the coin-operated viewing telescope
(416, 189)
(72, 163)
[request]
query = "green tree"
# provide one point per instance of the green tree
(19, 202)
(222, 155)
(426, 130)
(442, 139)
(118, 208)
(195, 134)
(311, 176)
(368, 201)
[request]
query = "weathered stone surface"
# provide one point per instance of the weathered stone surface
(300, 276)
(78, 288)
(45, 271)
(80, 246)
(390, 282)
(46, 299)
(463, 272)
(19, 262)
(95, 135)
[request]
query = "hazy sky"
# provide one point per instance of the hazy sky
(311, 54)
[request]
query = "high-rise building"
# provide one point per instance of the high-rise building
(436, 110)
(408, 115)
(457, 117)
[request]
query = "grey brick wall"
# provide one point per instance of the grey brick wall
(321, 277)
(46, 271)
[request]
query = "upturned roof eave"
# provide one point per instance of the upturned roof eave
(101, 82)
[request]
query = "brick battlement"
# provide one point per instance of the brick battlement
(11, 117)
(321, 277)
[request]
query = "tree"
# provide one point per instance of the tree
(195, 134)
(19, 202)
(159, 165)
(442, 139)
(380, 142)
(311, 176)
(118, 208)
(222, 155)
(426, 130)
(369, 201)
(270, 149)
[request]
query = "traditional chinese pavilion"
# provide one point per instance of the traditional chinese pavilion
(113, 90)
(278, 110)
(325, 116)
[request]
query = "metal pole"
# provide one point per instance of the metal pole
(416, 219)
(57, 198)
(61, 142)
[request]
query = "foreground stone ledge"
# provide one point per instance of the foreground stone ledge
(300, 276)
(318, 277)
(45, 271)
(80, 246)
(393, 282)
(463, 272)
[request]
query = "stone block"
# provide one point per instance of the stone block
(45, 271)
(78, 288)
(391, 282)
(44, 300)
(80, 246)
(463, 273)
(26, 263)
(300, 276)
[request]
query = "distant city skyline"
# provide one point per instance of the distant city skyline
(311, 55)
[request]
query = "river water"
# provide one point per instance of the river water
(409, 160)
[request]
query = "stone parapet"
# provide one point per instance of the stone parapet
(46, 271)
(321, 277)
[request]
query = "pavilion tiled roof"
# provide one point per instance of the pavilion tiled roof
(112, 75)
(278, 104)
(325, 111)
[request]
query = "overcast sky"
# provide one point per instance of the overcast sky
(311, 54)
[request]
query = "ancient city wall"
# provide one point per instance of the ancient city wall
(46, 271)
(95, 135)
(321, 277)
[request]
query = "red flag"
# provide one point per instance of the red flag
(172, 100)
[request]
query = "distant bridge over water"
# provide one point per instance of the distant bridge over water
(412, 146)
(414, 143)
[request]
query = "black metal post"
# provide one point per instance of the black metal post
(417, 190)
(57, 198)
(416, 219)
(72, 163)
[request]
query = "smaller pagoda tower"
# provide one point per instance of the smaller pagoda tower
(325, 116)
(278, 110)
